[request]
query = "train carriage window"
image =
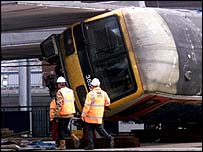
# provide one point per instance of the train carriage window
(108, 57)
(49, 47)
(68, 42)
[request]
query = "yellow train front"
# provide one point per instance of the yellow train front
(149, 61)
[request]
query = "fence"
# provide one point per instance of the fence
(34, 119)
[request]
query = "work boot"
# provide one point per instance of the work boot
(76, 140)
(76, 143)
(88, 148)
(62, 145)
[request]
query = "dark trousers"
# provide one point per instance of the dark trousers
(63, 129)
(54, 129)
(99, 128)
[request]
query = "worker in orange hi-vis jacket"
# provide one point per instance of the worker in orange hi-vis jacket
(54, 122)
(64, 112)
(92, 114)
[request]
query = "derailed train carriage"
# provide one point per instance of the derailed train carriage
(149, 61)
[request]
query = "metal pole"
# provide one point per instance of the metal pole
(25, 88)
(22, 84)
(29, 93)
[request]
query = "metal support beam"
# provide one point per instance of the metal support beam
(23, 84)
(25, 98)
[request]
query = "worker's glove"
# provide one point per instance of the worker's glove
(56, 116)
(56, 119)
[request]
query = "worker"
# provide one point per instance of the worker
(54, 122)
(92, 114)
(65, 110)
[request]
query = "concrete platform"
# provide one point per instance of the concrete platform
(196, 146)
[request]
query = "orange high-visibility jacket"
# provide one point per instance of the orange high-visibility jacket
(95, 102)
(52, 109)
(66, 100)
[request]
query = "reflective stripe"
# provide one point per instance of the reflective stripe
(97, 105)
(94, 105)
(94, 117)
(84, 112)
(67, 91)
(65, 100)
(93, 97)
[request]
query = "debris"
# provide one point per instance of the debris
(14, 144)
(6, 132)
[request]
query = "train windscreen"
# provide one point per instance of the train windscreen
(103, 54)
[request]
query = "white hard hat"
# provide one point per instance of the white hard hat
(95, 82)
(61, 80)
